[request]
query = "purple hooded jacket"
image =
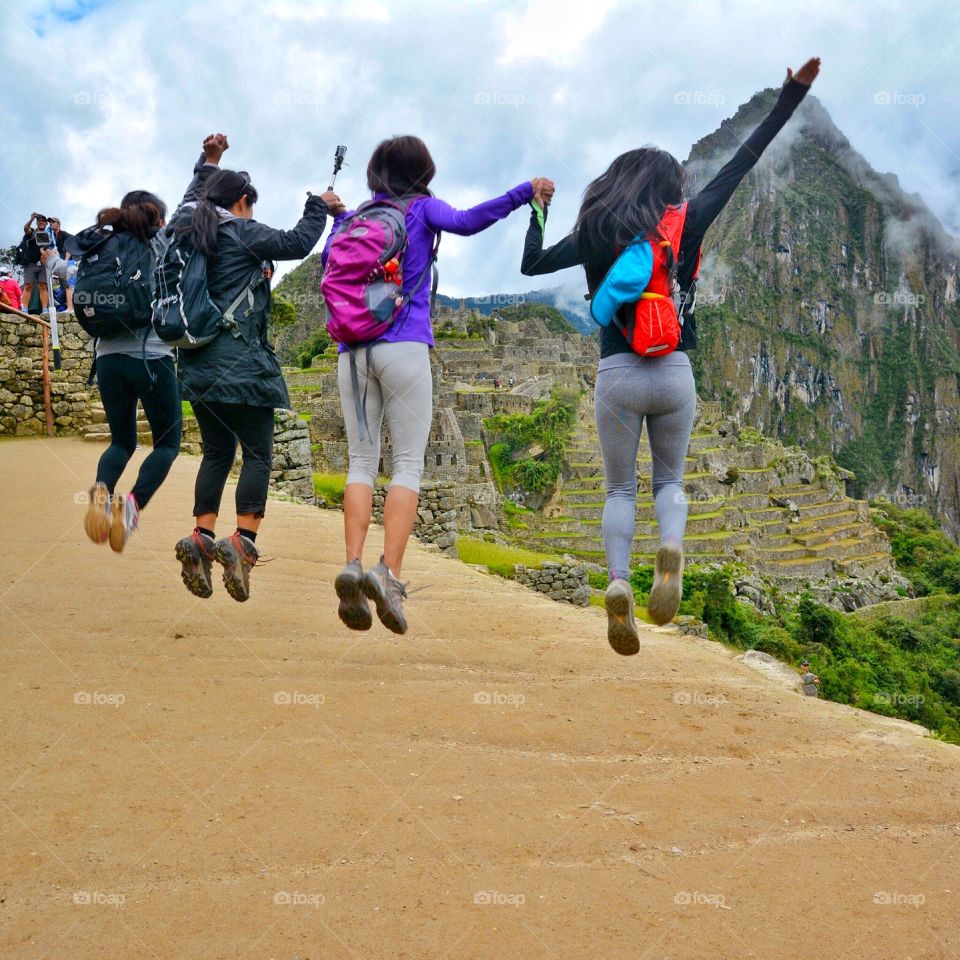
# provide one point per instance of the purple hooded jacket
(425, 219)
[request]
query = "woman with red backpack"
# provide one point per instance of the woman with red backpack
(383, 327)
(639, 244)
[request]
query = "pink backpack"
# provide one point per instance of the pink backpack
(363, 277)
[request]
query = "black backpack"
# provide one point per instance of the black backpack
(21, 254)
(112, 295)
(184, 314)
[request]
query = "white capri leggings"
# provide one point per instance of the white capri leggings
(398, 386)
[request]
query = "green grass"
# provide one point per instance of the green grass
(329, 486)
(498, 558)
(186, 408)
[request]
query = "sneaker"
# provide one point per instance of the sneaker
(97, 520)
(667, 586)
(196, 553)
(238, 556)
(388, 593)
(621, 626)
(124, 519)
(354, 610)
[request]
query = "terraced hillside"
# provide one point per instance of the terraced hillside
(750, 499)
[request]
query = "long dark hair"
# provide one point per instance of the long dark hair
(626, 201)
(223, 189)
(141, 212)
(399, 166)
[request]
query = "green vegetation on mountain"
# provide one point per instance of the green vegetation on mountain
(551, 317)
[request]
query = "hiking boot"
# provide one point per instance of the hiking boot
(124, 519)
(388, 593)
(667, 586)
(621, 626)
(196, 553)
(97, 521)
(238, 556)
(354, 610)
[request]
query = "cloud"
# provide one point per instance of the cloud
(104, 97)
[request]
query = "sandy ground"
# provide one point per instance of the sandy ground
(204, 779)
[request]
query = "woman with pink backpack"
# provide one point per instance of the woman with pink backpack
(377, 262)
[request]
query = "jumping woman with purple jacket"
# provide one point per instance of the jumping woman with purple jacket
(394, 379)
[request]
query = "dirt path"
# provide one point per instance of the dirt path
(253, 781)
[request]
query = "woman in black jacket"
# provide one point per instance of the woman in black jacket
(626, 206)
(234, 383)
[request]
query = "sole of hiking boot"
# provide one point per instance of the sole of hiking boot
(372, 590)
(96, 523)
(353, 610)
(192, 573)
(667, 586)
(621, 634)
(118, 528)
(227, 555)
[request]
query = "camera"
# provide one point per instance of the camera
(43, 239)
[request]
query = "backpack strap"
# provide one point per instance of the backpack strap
(360, 403)
(230, 321)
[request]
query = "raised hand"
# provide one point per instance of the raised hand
(807, 73)
(215, 146)
(543, 190)
(335, 206)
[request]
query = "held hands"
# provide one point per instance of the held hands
(543, 190)
(807, 73)
(214, 147)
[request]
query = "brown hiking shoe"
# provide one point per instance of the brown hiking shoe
(238, 556)
(621, 625)
(354, 610)
(388, 593)
(97, 519)
(667, 589)
(124, 519)
(196, 553)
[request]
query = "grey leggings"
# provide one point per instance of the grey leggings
(399, 386)
(630, 389)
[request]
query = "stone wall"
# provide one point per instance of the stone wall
(559, 580)
(436, 515)
(21, 378)
(292, 473)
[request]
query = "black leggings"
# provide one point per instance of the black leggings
(123, 380)
(221, 426)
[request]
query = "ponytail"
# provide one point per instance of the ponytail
(223, 189)
(140, 212)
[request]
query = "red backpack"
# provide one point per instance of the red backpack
(654, 321)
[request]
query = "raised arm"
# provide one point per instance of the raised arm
(705, 207)
(439, 215)
(266, 243)
(214, 147)
(536, 260)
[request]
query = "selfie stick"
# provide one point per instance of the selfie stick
(337, 164)
(52, 317)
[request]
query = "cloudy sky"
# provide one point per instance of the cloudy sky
(101, 96)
